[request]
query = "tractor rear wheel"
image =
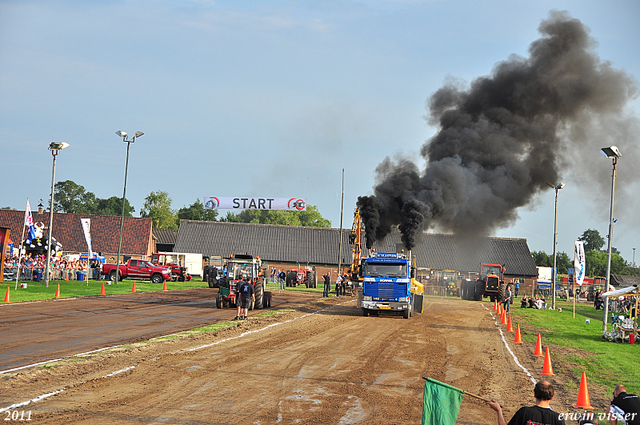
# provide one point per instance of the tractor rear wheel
(478, 290)
(502, 292)
(259, 293)
(291, 278)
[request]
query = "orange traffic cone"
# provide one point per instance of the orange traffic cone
(509, 325)
(495, 305)
(518, 339)
(102, 290)
(7, 296)
(58, 291)
(547, 369)
(499, 310)
(583, 394)
(164, 287)
(538, 351)
(504, 317)
(133, 289)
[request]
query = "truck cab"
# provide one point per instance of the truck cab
(388, 285)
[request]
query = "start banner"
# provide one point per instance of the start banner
(246, 203)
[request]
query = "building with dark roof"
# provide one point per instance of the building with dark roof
(137, 238)
(165, 239)
(320, 246)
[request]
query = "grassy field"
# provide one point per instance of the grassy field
(73, 288)
(607, 363)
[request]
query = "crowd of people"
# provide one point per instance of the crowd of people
(32, 267)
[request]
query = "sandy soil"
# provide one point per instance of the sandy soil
(319, 363)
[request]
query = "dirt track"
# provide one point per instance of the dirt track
(322, 363)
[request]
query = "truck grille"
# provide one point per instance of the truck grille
(385, 290)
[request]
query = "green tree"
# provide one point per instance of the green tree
(113, 206)
(310, 218)
(592, 240)
(542, 259)
(157, 206)
(563, 262)
(196, 211)
(596, 263)
(70, 197)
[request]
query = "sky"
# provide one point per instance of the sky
(275, 99)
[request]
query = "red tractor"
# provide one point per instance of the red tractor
(235, 270)
(174, 263)
(305, 276)
(490, 284)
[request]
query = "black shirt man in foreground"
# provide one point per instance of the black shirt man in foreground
(540, 414)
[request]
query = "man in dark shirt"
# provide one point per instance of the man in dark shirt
(540, 414)
(625, 408)
(247, 296)
(327, 284)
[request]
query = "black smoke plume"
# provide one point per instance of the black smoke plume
(499, 140)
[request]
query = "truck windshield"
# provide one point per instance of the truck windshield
(386, 270)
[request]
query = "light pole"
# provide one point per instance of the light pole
(554, 271)
(124, 192)
(54, 147)
(634, 258)
(614, 153)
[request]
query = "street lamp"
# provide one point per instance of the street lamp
(557, 187)
(54, 147)
(124, 192)
(614, 153)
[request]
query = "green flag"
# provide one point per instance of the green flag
(441, 403)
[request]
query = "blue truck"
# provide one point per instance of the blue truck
(388, 285)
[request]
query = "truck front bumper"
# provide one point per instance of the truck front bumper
(385, 305)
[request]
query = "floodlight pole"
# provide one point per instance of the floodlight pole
(124, 193)
(610, 237)
(54, 152)
(555, 244)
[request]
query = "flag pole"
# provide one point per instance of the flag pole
(467, 393)
(21, 240)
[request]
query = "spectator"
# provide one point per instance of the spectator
(327, 284)
(517, 289)
(282, 276)
(338, 285)
(507, 299)
(532, 303)
(541, 413)
(523, 302)
(625, 408)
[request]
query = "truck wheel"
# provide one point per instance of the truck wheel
(156, 278)
(218, 301)
(407, 313)
(112, 276)
(478, 292)
(365, 312)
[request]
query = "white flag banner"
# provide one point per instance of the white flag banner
(86, 227)
(239, 203)
(579, 263)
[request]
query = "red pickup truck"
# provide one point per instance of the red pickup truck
(137, 269)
